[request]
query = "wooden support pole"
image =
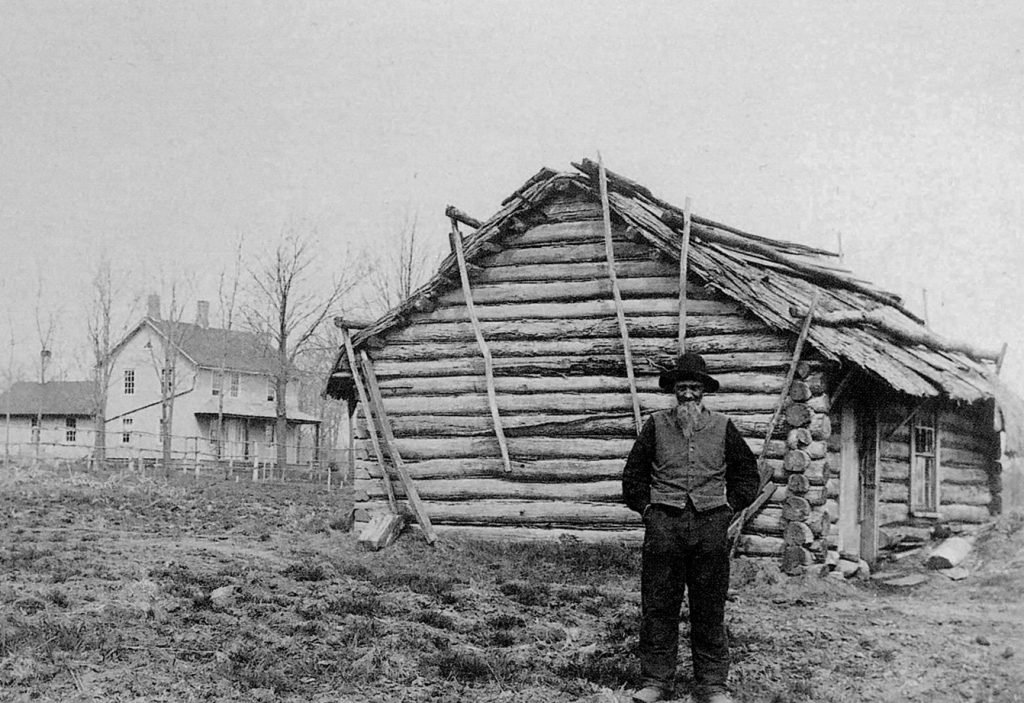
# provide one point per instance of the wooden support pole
(620, 314)
(454, 213)
(492, 395)
(684, 250)
(411, 494)
(1001, 359)
(353, 365)
(766, 485)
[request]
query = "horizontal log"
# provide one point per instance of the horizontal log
(956, 475)
(970, 421)
(640, 326)
(796, 509)
(964, 458)
(800, 391)
(471, 489)
(798, 437)
(544, 291)
(517, 256)
(984, 445)
(579, 310)
(972, 494)
(891, 470)
(572, 347)
(593, 365)
(545, 425)
(530, 448)
(524, 512)
(535, 534)
(893, 492)
(796, 460)
(580, 271)
(965, 513)
(889, 513)
(591, 231)
(738, 403)
(798, 484)
(733, 382)
(553, 470)
(544, 470)
(759, 545)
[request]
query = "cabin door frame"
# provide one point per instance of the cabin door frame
(858, 481)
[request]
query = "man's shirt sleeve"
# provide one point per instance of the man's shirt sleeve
(636, 476)
(742, 479)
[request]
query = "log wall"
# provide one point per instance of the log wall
(546, 311)
(969, 482)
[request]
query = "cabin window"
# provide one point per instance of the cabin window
(126, 430)
(236, 381)
(218, 384)
(70, 429)
(271, 388)
(924, 464)
(129, 381)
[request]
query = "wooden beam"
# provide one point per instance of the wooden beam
(684, 248)
(454, 213)
(364, 399)
(620, 314)
(492, 396)
(767, 488)
(1001, 359)
(411, 494)
(875, 318)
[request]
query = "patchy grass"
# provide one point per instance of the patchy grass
(107, 583)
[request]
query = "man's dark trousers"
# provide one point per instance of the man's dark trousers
(685, 550)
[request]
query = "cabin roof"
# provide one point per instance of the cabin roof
(73, 398)
(775, 280)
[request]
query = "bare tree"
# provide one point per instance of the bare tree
(12, 374)
(174, 333)
(104, 327)
(402, 264)
(46, 326)
(227, 292)
(288, 306)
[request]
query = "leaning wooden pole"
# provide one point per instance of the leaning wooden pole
(364, 399)
(492, 394)
(620, 313)
(411, 494)
(767, 488)
(684, 252)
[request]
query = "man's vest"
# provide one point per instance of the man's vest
(689, 467)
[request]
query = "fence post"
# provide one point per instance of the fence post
(196, 442)
(255, 461)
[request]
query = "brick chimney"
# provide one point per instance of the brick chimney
(203, 313)
(153, 306)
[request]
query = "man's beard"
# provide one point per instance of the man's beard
(689, 412)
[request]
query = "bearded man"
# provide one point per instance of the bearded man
(688, 473)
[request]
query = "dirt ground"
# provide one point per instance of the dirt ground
(108, 586)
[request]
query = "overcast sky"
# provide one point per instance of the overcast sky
(160, 131)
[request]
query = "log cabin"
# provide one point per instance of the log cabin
(508, 388)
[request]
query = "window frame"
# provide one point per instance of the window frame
(271, 389)
(70, 430)
(129, 382)
(921, 481)
(126, 433)
(235, 384)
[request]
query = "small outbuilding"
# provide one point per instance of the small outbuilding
(512, 383)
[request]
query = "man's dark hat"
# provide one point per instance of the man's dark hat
(689, 367)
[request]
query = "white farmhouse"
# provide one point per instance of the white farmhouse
(215, 373)
(52, 419)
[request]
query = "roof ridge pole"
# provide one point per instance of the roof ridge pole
(467, 293)
(684, 251)
(620, 313)
(767, 488)
(361, 390)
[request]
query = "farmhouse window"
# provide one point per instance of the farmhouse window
(35, 429)
(70, 429)
(218, 384)
(167, 381)
(924, 464)
(129, 381)
(126, 430)
(236, 381)
(271, 388)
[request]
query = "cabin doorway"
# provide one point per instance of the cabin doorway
(858, 480)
